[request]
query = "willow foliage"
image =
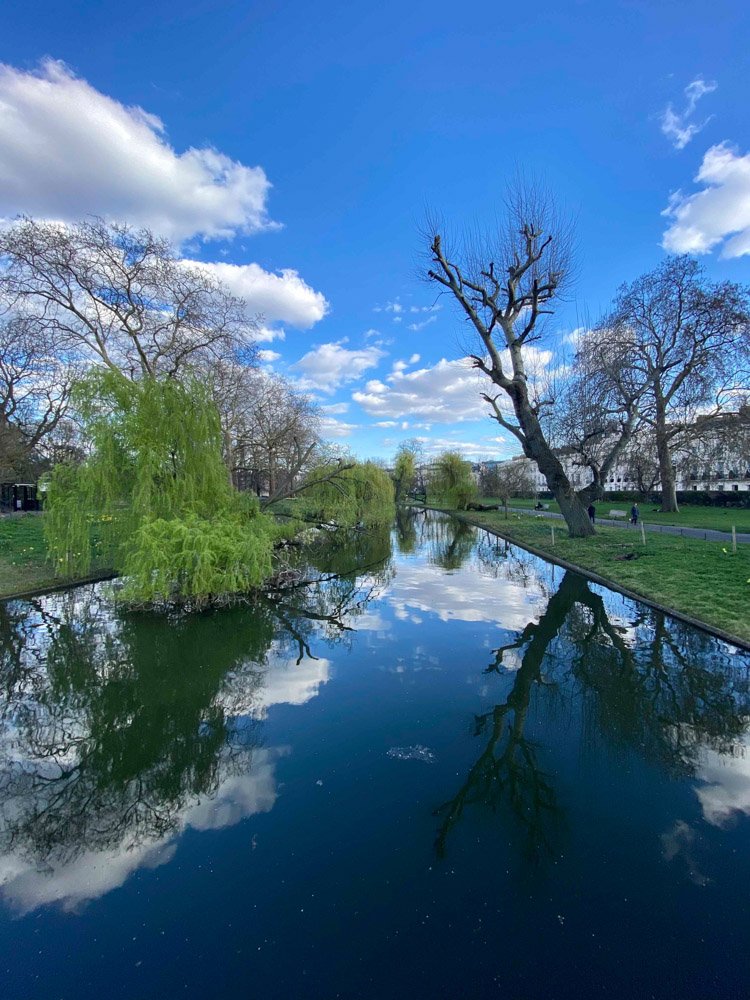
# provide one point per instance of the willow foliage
(362, 494)
(157, 488)
(452, 481)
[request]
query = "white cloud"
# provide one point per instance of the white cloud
(484, 446)
(279, 297)
(332, 428)
(466, 594)
(268, 356)
(290, 683)
(265, 334)
(330, 365)
(394, 307)
(677, 126)
(724, 792)
(70, 884)
(335, 408)
(67, 151)
(446, 393)
(703, 220)
(423, 323)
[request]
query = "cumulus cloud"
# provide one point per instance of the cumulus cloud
(448, 392)
(330, 365)
(330, 427)
(268, 356)
(703, 220)
(677, 126)
(334, 408)
(265, 334)
(67, 150)
(280, 297)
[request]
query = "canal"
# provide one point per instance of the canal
(435, 767)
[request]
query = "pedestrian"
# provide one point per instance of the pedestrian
(592, 513)
(634, 512)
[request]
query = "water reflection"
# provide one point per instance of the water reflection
(652, 684)
(119, 730)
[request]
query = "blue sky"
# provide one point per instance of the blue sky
(301, 143)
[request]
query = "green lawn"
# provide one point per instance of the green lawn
(718, 518)
(23, 556)
(702, 579)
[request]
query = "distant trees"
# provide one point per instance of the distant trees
(271, 430)
(506, 480)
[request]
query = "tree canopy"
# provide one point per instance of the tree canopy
(155, 485)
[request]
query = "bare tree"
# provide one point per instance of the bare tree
(505, 480)
(505, 284)
(270, 429)
(598, 410)
(686, 341)
(34, 392)
(118, 296)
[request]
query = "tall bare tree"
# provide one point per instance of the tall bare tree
(686, 341)
(505, 283)
(118, 296)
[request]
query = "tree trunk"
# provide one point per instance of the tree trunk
(536, 447)
(666, 469)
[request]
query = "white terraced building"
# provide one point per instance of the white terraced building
(715, 458)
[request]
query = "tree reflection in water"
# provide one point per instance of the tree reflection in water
(663, 688)
(115, 725)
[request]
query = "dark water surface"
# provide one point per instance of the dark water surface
(460, 773)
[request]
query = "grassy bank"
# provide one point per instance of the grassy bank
(23, 557)
(712, 518)
(704, 580)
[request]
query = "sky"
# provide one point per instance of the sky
(294, 148)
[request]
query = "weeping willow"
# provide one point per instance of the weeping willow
(362, 495)
(156, 490)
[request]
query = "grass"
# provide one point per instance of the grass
(705, 580)
(716, 518)
(23, 556)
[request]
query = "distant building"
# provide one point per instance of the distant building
(713, 457)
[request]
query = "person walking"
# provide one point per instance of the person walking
(634, 513)
(592, 513)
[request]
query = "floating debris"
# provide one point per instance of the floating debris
(417, 752)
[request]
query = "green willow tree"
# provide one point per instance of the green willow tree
(156, 488)
(360, 494)
(452, 481)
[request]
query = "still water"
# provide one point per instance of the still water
(456, 772)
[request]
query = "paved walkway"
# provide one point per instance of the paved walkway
(707, 534)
